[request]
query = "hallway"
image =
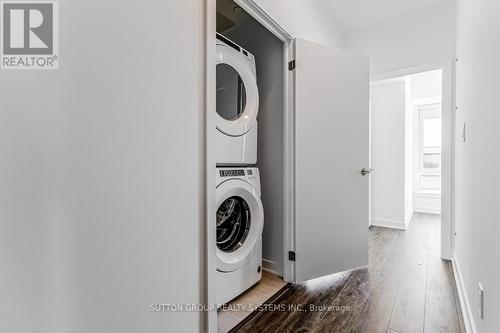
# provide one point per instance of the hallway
(406, 288)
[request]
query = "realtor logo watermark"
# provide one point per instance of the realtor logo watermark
(30, 35)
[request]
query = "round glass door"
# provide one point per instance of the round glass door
(231, 93)
(233, 224)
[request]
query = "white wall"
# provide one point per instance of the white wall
(409, 149)
(477, 160)
(427, 84)
(311, 20)
(406, 41)
(101, 173)
(388, 153)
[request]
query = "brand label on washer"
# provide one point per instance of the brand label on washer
(232, 173)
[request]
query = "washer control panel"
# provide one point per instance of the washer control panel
(250, 175)
(232, 173)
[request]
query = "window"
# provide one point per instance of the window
(231, 94)
(429, 148)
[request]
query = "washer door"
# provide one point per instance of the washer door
(237, 93)
(240, 220)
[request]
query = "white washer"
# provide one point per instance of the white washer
(240, 220)
(237, 105)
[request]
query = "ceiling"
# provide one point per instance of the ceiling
(356, 14)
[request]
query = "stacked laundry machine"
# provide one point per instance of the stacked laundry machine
(240, 215)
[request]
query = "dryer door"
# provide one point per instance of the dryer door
(237, 93)
(240, 220)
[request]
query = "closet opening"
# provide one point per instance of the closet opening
(250, 89)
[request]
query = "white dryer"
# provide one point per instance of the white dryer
(237, 104)
(240, 220)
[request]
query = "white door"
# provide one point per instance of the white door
(331, 149)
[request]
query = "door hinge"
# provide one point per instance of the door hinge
(291, 255)
(291, 65)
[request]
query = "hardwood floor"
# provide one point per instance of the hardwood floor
(405, 288)
(244, 304)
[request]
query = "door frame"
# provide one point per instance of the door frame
(209, 255)
(448, 147)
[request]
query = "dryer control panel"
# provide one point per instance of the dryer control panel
(238, 48)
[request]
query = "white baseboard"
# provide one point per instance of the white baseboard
(470, 327)
(272, 267)
(427, 203)
(408, 218)
(385, 223)
(428, 210)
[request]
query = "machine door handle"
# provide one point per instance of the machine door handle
(365, 172)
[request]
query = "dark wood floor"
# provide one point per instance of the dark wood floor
(406, 288)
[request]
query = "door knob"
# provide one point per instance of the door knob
(365, 172)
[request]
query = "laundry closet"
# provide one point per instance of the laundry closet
(237, 29)
(269, 60)
(291, 148)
